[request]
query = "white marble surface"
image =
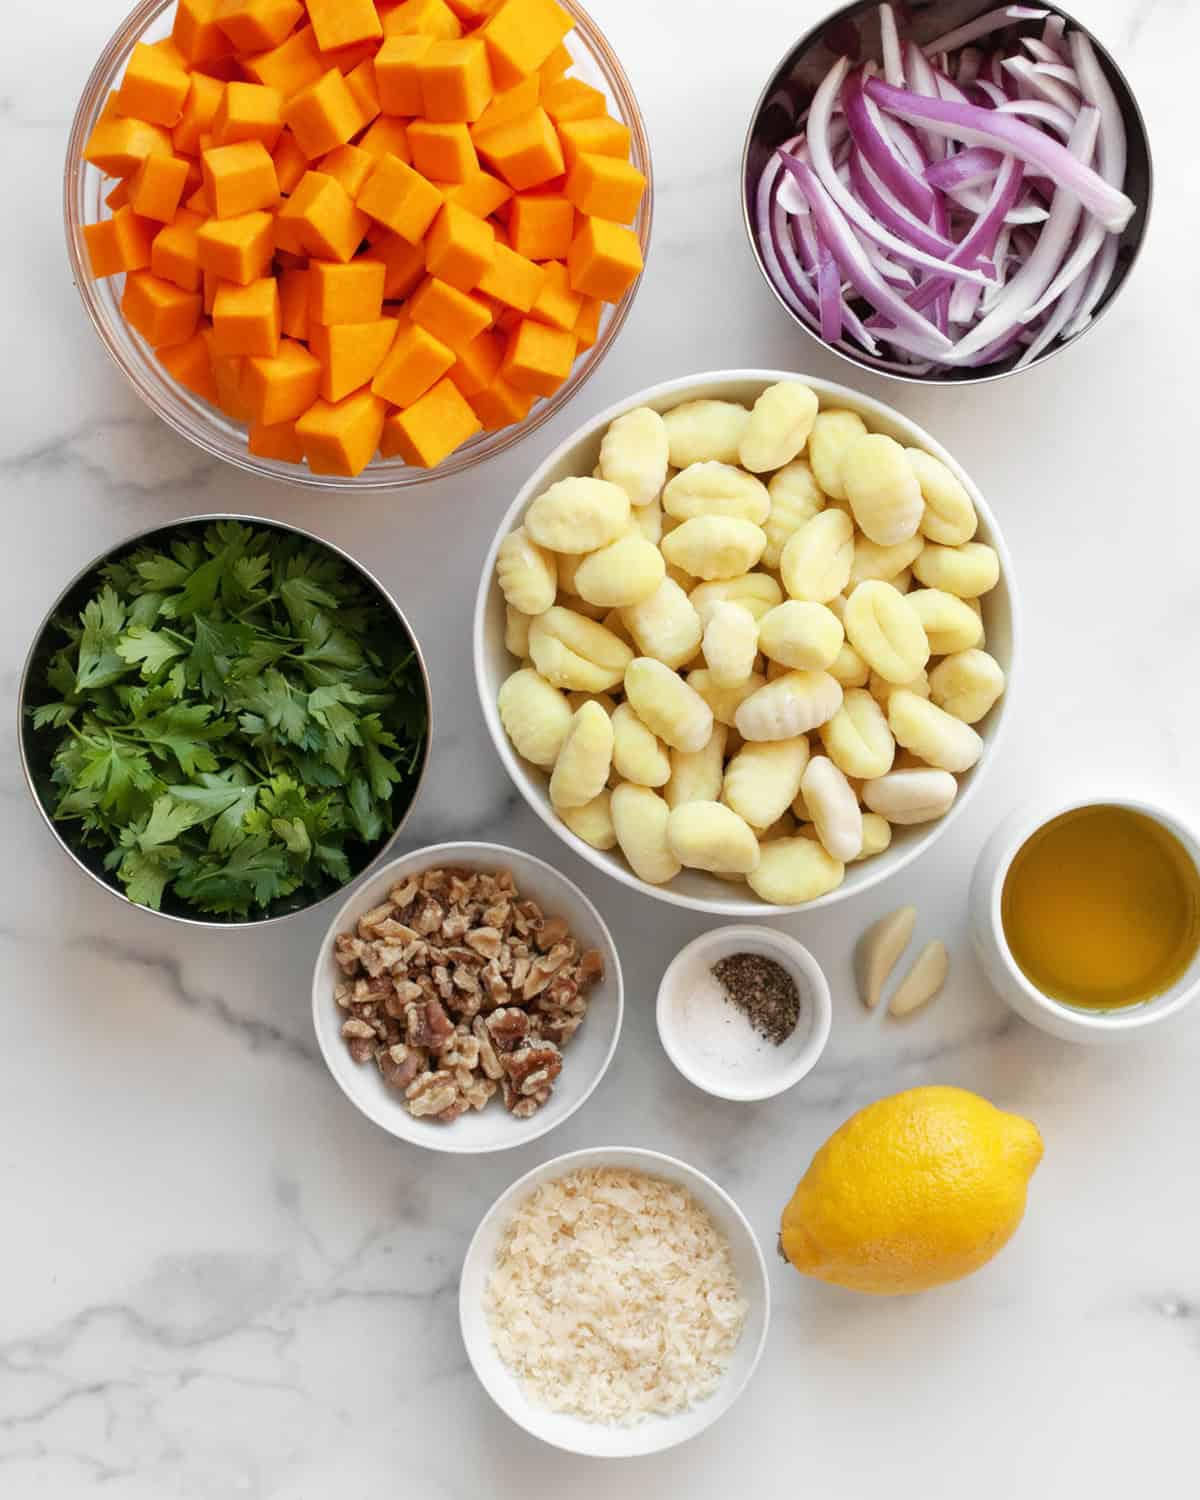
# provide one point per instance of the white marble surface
(220, 1281)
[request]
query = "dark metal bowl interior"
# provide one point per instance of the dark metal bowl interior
(37, 747)
(853, 31)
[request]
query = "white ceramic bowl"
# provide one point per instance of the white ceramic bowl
(570, 1432)
(586, 1057)
(579, 455)
(726, 1057)
(1069, 1023)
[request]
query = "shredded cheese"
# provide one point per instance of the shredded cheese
(614, 1297)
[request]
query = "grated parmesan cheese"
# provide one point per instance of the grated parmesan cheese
(614, 1297)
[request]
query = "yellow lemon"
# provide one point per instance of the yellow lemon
(913, 1191)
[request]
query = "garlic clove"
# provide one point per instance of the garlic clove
(880, 949)
(922, 982)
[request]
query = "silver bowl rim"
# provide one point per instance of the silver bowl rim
(985, 378)
(208, 518)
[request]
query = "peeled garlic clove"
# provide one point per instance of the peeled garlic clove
(922, 982)
(880, 949)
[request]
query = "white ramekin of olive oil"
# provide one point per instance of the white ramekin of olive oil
(1086, 915)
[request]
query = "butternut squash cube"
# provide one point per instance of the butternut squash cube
(342, 437)
(511, 104)
(450, 315)
(175, 253)
(559, 62)
(119, 196)
(320, 219)
(400, 198)
(189, 364)
(323, 115)
(362, 84)
(349, 165)
(512, 279)
(122, 243)
(196, 34)
(293, 303)
(501, 405)
(237, 250)
(154, 87)
(396, 74)
(431, 18)
(291, 66)
(536, 358)
(415, 362)
(459, 248)
(541, 225)
(253, 25)
(480, 193)
(248, 112)
(246, 319)
(605, 260)
(602, 136)
(346, 293)
(239, 179)
(118, 147)
(521, 35)
(386, 137)
(432, 428)
(278, 388)
(341, 23)
(456, 83)
(587, 325)
(606, 187)
(199, 110)
(525, 152)
(471, 12)
(572, 99)
(478, 364)
(442, 152)
(403, 264)
(289, 161)
(160, 311)
(558, 304)
(350, 353)
(227, 374)
(281, 442)
(157, 187)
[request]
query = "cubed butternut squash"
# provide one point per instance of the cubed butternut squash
(277, 388)
(432, 18)
(341, 23)
(289, 161)
(605, 259)
(346, 293)
(350, 353)
(199, 111)
(237, 249)
(541, 225)
(442, 152)
(459, 247)
(293, 302)
(342, 437)
(521, 34)
(456, 82)
(239, 179)
(122, 243)
(396, 75)
(501, 405)
(349, 165)
(512, 279)
(525, 152)
(601, 136)
(450, 315)
(478, 364)
(196, 34)
(320, 218)
(154, 87)
(572, 99)
(160, 311)
(117, 147)
(414, 363)
(157, 187)
(175, 253)
(189, 364)
(254, 25)
(605, 187)
(291, 66)
(323, 114)
(246, 319)
(281, 442)
(558, 304)
(431, 428)
(537, 358)
(400, 198)
(480, 193)
(248, 112)
(403, 264)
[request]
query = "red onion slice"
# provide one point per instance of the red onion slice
(994, 20)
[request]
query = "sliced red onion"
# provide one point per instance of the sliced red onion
(981, 127)
(892, 214)
(1054, 324)
(881, 153)
(994, 20)
(1097, 284)
(1059, 120)
(923, 80)
(829, 296)
(1054, 32)
(970, 59)
(1039, 85)
(889, 37)
(964, 169)
(1039, 50)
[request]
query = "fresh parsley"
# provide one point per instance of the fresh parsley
(238, 720)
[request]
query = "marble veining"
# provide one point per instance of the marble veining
(220, 1281)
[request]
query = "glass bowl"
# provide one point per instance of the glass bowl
(84, 189)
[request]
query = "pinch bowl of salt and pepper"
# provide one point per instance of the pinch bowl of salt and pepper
(744, 1012)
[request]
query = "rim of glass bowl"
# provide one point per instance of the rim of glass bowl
(209, 429)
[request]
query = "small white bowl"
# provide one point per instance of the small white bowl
(1069, 1023)
(579, 455)
(572, 1433)
(585, 1059)
(712, 1043)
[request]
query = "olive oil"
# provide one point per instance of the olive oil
(1101, 908)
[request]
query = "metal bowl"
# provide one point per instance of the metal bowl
(36, 748)
(854, 31)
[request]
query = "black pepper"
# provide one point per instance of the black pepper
(763, 991)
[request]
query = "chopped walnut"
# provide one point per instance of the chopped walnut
(460, 990)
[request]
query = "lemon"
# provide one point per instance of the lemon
(915, 1190)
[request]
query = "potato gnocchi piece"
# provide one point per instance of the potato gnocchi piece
(716, 489)
(795, 498)
(710, 836)
(696, 774)
(757, 592)
(949, 517)
(937, 737)
(535, 715)
(911, 796)
(724, 702)
(950, 624)
(581, 770)
(605, 700)
(715, 546)
(858, 738)
(640, 819)
(833, 807)
(700, 431)
(886, 631)
(881, 689)
(516, 632)
(730, 644)
(762, 779)
(624, 573)
(849, 668)
(573, 652)
(968, 685)
(833, 432)
(668, 707)
(888, 564)
(795, 871)
(877, 835)
(966, 571)
(647, 521)
(592, 822)
(578, 515)
(779, 426)
(882, 489)
(817, 560)
(633, 455)
(801, 634)
(527, 573)
(791, 705)
(666, 625)
(638, 754)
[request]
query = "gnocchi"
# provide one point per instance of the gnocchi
(751, 643)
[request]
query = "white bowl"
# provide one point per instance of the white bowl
(727, 1058)
(579, 455)
(1070, 1023)
(585, 1059)
(573, 1433)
